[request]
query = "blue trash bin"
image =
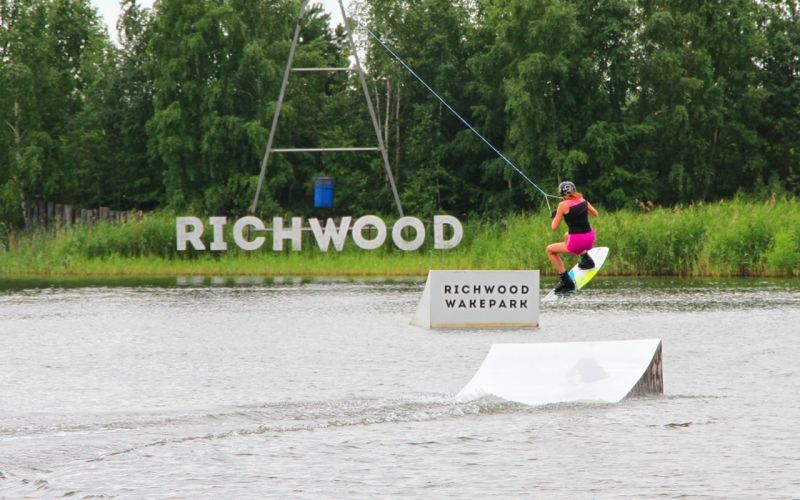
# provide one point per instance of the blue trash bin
(323, 192)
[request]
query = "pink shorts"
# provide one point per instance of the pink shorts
(579, 243)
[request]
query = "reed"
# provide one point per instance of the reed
(730, 238)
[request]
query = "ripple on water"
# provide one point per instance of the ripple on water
(321, 389)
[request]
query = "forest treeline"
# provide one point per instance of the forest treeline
(633, 100)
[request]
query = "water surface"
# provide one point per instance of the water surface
(277, 388)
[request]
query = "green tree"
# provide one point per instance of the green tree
(566, 76)
(216, 70)
(51, 54)
(135, 179)
(700, 97)
(780, 126)
(437, 166)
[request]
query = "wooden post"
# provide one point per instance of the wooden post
(42, 213)
(68, 214)
(51, 212)
(652, 381)
(103, 214)
(58, 212)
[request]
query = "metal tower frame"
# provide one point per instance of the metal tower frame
(289, 70)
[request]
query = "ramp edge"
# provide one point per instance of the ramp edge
(652, 380)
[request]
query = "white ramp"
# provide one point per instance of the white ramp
(539, 374)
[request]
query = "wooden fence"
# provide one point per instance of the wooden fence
(47, 214)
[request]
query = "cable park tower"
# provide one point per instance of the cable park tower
(354, 67)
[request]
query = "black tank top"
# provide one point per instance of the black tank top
(578, 218)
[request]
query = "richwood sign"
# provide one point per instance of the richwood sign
(457, 296)
(190, 230)
(468, 299)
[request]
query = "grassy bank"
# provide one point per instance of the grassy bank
(734, 238)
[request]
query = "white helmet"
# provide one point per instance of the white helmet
(566, 188)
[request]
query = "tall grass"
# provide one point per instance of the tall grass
(731, 238)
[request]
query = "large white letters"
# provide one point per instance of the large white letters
(183, 236)
(238, 233)
(218, 243)
(189, 231)
(439, 221)
(279, 233)
(369, 220)
(397, 233)
(331, 233)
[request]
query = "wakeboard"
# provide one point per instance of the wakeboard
(581, 276)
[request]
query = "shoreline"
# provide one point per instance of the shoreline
(102, 271)
(733, 238)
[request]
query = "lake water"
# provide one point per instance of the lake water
(253, 388)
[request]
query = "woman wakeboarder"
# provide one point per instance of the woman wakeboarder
(578, 240)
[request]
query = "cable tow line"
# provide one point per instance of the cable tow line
(454, 112)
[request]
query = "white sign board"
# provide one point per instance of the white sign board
(464, 299)
(558, 372)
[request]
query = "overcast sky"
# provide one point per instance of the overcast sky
(109, 11)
